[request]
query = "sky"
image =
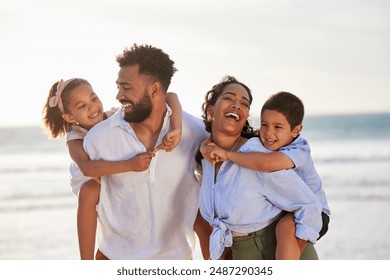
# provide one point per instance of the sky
(334, 55)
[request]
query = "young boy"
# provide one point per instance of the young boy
(281, 123)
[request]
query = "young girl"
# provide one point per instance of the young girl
(72, 108)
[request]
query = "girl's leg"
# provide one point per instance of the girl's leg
(100, 256)
(203, 230)
(87, 218)
(288, 246)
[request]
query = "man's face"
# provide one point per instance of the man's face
(133, 94)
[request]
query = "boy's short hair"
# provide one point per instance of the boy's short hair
(289, 105)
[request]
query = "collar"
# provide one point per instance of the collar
(118, 120)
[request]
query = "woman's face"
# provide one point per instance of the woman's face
(231, 110)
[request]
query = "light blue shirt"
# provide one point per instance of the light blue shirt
(244, 200)
(299, 152)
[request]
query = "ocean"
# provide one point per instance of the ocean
(351, 154)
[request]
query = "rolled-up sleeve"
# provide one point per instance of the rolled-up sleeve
(286, 190)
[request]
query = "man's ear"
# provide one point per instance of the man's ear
(68, 118)
(155, 87)
(297, 130)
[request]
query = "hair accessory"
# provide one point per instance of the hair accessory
(56, 100)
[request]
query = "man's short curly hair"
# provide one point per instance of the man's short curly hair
(151, 61)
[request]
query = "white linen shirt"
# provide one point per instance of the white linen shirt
(244, 200)
(149, 214)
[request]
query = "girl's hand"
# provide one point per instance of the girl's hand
(141, 161)
(170, 140)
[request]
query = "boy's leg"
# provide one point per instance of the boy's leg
(87, 218)
(288, 247)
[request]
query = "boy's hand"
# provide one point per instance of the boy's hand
(212, 153)
(217, 153)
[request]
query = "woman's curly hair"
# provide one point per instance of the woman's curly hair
(212, 97)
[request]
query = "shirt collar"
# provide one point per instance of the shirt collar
(117, 120)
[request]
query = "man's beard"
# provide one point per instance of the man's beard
(141, 111)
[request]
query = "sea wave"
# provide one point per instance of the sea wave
(352, 159)
(34, 169)
(26, 201)
(36, 207)
(356, 197)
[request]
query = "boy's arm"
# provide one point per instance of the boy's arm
(97, 168)
(206, 148)
(172, 138)
(266, 162)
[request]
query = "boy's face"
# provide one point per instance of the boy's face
(275, 131)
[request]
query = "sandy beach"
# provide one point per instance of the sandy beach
(358, 231)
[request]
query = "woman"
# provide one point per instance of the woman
(244, 205)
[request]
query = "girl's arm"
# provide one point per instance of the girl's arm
(172, 138)
(97, 168)
(258, 161)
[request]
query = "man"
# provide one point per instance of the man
(149, 214)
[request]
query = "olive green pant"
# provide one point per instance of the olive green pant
(261, 245)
